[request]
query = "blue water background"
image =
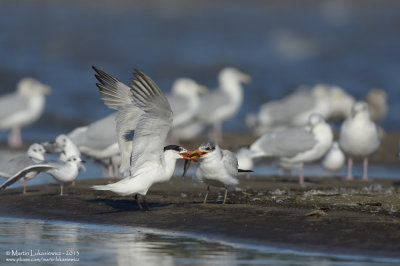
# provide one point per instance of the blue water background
(281, 44)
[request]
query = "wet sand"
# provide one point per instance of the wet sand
(329, 215)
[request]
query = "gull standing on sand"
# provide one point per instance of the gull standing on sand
(99, 140)
(22, 108)
(217, 167)
(359, 137)
(334, 159)
(150, 161)
(223, 103)
(296, 145)
(35, 154)
(295, 109)
(63, 172)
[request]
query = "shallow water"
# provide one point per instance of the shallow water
(37, 242)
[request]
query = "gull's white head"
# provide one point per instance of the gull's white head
(232, 74)
(30, 87)
(360, 109)
(36, 151)
(63, 141)
(314, 120)
(187, 87)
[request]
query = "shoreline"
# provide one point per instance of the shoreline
(328, 216)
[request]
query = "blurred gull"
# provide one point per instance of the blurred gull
(150, 161)
(359, 137)
(63, 145)
(35, 154)
(378, 105)
(99, 140)
(64, 172)
(223, 103)
(22, 108)
(296, 145)
(217, 167)
(334, 159)
(184, 100)
(295, 109)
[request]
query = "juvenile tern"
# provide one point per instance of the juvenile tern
(359, 137)
(35, 154)
(22, 108)
(223, 103)
(150, 162)
(296, 145)
(64, 172)
(217, 167)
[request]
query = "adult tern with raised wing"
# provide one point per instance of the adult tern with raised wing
(150, 162)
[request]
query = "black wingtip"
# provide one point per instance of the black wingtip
(245, 171)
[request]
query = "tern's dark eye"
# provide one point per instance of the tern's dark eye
(34, 150)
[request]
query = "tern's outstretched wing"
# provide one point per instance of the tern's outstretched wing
(155, 120)
(117, 95)
(40, 167)
(153, 126)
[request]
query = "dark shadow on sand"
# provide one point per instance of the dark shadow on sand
(125, 205)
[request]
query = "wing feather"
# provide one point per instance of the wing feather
(23, 172)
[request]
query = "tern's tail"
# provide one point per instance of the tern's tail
(118, 188)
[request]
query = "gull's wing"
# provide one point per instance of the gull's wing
(286, 143)
(285, 110)
(40, 167)
(230, 162)
(154, 122)
(12, 103)
(212, 101)
(117, 95)
(98, 135)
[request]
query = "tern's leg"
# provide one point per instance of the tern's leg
(14, 138)
(301, 175)
(138, 202)
(146, 206)
(365, 175)
(226, 194)
(205, 198)
(61, 190)
(350, 169)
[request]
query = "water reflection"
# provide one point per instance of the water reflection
(117, 245)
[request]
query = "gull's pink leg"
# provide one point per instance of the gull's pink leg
(365, 174)
(24, 191)
(61, 190)
(301, 176)
(350, 169)
(218, 138)
(110, 170)
(14, 138)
